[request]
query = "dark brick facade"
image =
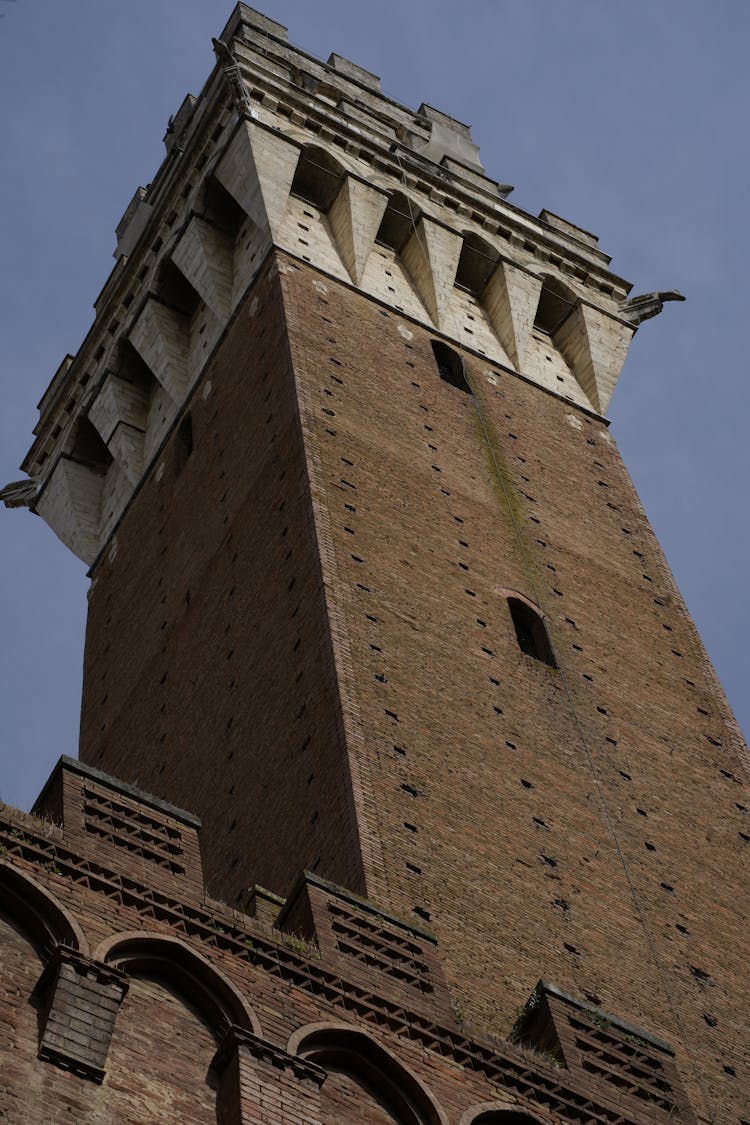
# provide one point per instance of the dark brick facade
(149, 1005)
(466, 827)
(535, 818)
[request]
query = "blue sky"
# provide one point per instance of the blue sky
(629, 119)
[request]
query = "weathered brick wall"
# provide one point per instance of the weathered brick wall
(159, 1059)
(555, 823)
(543, 822)
(208, 676)
(344, 1101)
(225, 1019)
(18, 1026)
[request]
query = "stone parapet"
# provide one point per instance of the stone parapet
(298, 1033)
(283, 150)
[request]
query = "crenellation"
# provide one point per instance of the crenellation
(568, 228)
(245, 16)
(133, 222)
(355, 72)
(448, 140)
(180, 125)
(406, 122)
(211, 262)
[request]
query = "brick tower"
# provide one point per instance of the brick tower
(374, 600)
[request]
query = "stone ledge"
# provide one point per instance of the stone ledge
(73, 765)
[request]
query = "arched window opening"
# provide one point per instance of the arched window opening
(398, 222)
(476, 264)
(171, 1055)
(23, 1015)
(39, 914)
(369, 1079)
(450, 366)
(318, 178)
(556, 303)
(531, 632)
(174, 963)
(184, 441)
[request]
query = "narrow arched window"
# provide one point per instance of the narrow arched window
(531, 633)
(183, 442)
(450, 366)
(366, 1082)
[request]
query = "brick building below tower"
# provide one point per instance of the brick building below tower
(407, 792)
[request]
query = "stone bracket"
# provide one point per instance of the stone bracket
(119, 412)
(70, 502)
(430, 256)
(594, 345)
(257, 170)
(355, 216)
(204, 255)
(262, 1084)
(160, 336)
(81, 999)
(510, 300)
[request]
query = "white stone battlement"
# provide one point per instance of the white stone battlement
(283, 150)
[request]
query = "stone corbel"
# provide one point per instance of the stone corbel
(70, 502)
(430, 256)
(204, 255)
(119, 413)
(80, 1000)
(594, 346)
(257, 170)
(354, 217)
(510, 299)
(161, 337)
